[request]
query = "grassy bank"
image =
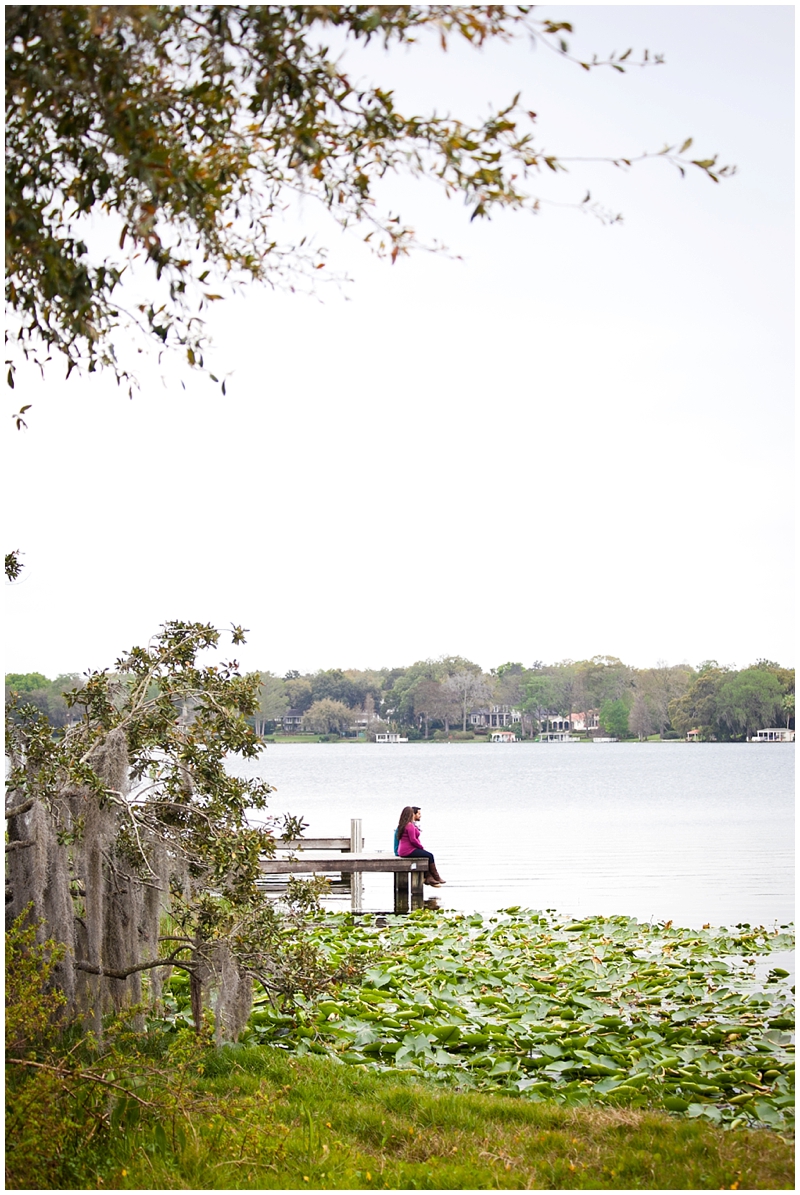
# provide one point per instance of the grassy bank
(518, 1050)
(258, 1118)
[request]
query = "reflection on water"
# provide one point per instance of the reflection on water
(690, 832)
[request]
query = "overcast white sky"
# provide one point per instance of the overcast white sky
(576, 440)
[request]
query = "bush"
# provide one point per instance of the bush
(71, 1100)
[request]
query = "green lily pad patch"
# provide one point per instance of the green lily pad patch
(606, 1009)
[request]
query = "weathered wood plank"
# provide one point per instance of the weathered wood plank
(315, 844)
(344, 862)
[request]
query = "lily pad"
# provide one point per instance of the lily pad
(517, 1002)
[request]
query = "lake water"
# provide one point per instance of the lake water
(695, 833)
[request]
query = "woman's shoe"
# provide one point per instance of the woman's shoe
(433, 884)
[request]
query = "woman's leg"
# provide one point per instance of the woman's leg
(433, 872)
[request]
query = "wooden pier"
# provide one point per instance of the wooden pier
(347, 857)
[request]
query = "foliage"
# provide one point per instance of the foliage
(640, 722)
(26, 682)
(13, 565)
(179, 133)
(273, 701)
(428, 695)
(334, 685)
(32, 1004)
(697, 708)
(130, 812)
(68, 1116)
(658, 687)
(748, 701)
(469, 689)
(64, 1095)
(614, 717)
(327, 716)
(541, 696)
(46, 695)
(724, 704)
(606, 1010)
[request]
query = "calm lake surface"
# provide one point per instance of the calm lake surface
(690, 832)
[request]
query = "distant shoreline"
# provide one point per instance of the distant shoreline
(312, 741)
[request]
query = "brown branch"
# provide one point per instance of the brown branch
(82, 1076)
(172, 961)
(19, 843)
(16, 810)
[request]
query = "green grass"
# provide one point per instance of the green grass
(265, 1120)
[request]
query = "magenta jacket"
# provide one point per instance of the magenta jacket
(409, 840)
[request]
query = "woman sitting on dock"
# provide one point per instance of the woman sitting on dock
(410, 847)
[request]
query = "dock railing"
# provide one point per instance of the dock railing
(349, 859)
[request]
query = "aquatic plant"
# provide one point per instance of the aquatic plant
(606, 1009)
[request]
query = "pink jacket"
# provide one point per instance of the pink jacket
(409, 840)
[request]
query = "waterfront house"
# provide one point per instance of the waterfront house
(774, 734)
(503, 736)
(494, 715)
(390, 737)
(292, 721)
(586, 720)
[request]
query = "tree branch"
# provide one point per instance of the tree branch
(172, 961)
(16, 810)
(81, 1076)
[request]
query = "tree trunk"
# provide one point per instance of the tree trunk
(196, 989)
(196, 994)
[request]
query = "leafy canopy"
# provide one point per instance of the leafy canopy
(173, 136)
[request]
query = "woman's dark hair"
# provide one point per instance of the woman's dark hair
(405, 817)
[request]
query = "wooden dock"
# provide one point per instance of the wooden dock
(347, 857)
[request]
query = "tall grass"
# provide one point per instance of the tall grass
(258, 1118)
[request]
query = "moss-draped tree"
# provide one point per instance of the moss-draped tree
(129, 815)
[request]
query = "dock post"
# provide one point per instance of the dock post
(357, 881)
(416, 889)
(401, 892)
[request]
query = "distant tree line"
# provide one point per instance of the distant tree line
(46, 695)
(436, 698)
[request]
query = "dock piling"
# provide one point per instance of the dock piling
(357, 882)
